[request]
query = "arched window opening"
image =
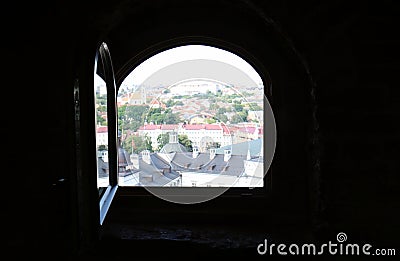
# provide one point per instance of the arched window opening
(184, 108)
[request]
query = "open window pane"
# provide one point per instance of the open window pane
(103, 180)
(106, 135)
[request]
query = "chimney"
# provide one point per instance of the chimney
(212, 153)
(104, 155)
(146, 156)
(173, 137)
(195, 152)
(135, 160)
(227, 154)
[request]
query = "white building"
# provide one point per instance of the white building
(249, 132)
(257, 116)
(102, 135)
(204, 135)
(201, 135)
(154, 130)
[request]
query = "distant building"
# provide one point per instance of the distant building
(102, 169)
(155, 171)
(204, 135)
(154, 130)
(237, 165)
(173, 145)
(102, 135)
(137, 97)
(126, 170)
(201, 135)
(156, 104)
(246, 133)
(223, 167)
(101, 87)
(257, 116)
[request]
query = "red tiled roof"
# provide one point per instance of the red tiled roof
(202, 126)
(247, 129)
(159, 127)
(102, 129)
(155, 102)
(251, 130)
(194, 127)
(212, 127)
(169, 126)
(222, 127)
(225, 129)
(150, 127)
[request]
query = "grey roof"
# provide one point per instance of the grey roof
(202, 164)
(102, 168)
(186, 160)
(159, 162)
(124, 160)
(257, 159)
(158, 173)
(173, 147)
(123, 157)
(241, 148)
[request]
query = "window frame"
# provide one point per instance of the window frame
(154, 49)
(107, 196)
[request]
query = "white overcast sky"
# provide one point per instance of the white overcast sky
(185, 53)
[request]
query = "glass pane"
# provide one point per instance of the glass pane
(100, 92)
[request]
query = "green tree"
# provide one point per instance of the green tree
(221, 117)
(213, 106)
(162, 139)
(102, 147)
(243, 114)
(102, 108)
(221, 110)
(238, 107)
(132, 117)
(236, 119)
(164, 117)
(255, 107)
(214, 145)
(136, 144)
(184, 140)
(169, 103)
(171, 118)
(210, 120)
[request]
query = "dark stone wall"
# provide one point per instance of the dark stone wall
(348, 181)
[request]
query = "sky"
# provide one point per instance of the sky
(185, 53)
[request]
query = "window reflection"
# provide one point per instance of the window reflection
(100, 91)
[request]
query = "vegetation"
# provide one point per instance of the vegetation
(131, 118)
(136, 144)
(162, 139)
(184, 140)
